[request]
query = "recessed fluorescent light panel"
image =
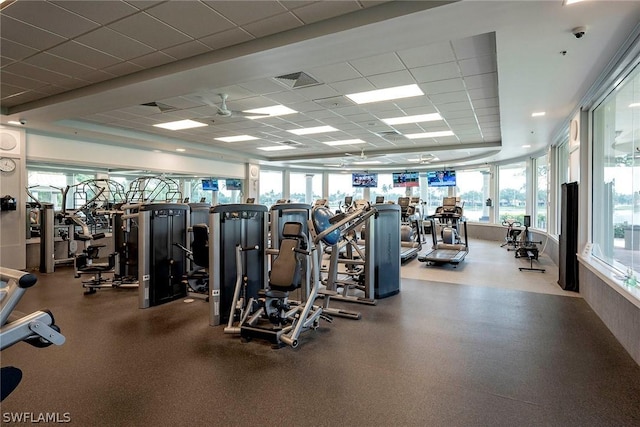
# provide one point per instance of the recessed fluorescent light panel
(180, 125)
(385, 94)
(181, 150)
(236, 138)
(276, 148)
(368, 162)
(538, 114)
(634, 105)
(309, 131)
(344, 142)
(275, 110)
(413, 119)
(430, 134)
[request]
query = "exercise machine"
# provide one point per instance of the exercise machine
(231, 225)
(451, 247)
(38, 328)
(276, 319)
(511, 239)
(410, 235)
(528, 248)
(356, 274)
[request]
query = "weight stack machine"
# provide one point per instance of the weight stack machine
(231, 225)
(161, 263)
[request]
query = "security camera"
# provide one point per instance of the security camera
(579, 32)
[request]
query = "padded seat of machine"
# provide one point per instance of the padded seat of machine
(99, 266)
(285, 271)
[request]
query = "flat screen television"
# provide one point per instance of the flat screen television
(234, 184)
(364, 180)
(441, 178)
(405, 179)
(210, 184)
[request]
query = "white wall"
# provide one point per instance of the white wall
(44, 148)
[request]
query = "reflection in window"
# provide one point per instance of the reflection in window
(270, 187)
(616, 176)
(542, 174)
(512, 195)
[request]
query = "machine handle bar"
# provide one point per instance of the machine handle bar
(24, 280)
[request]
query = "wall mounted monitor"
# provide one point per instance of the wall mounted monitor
(234, 184)
(441, 178)
(364, 180)
(405, 179)
(209, 184)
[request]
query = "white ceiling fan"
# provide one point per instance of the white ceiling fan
(224, 111)
(362, 156)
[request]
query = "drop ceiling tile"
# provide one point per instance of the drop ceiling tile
(21, 82)
(272, 25)
(4, 61)
(101, 11)
(191, 17)
(471, 47)
(447, 97)
(35, 73)
(430, 54)
(114, 43)
(489, 80)
(16, 51)
(455, 106)
(462, 121)
(73, 83)
(442, 86)
(352, 86)
(85, 55)
(28, 35)
(96, 76)
(432, 73)
(317, 92)
(8, 90)
(334, 73)
(61, 65)
(251, 11)
(49, 17)
(478, 65)
(487, 111)
(122, 68)
(317, 11)
(482, 93)
(186, 50)
(487, 102)
(490, 118)
(458, 114)
(413, 102)
(378, 64)
(149, 31)
(397, 78)
(144, 4)
(152, 60)
(227, 38)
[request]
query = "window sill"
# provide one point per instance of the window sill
(612, 278)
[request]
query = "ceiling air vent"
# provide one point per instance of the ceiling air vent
(290, 143)
(296, 80)
(391, 135)
(159, 105)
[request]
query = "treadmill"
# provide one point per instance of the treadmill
(410, 238)
(452, 249)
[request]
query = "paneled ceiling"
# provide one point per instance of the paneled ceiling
(108, 71)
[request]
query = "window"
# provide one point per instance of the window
(339, 187)
(270, 187)
(385, 188)
(541, 168)
(298, 187)
(512, 195)
(473, 190)
(616, 176)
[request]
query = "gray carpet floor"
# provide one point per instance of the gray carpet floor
(436, 354)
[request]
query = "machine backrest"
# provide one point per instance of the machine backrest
(200, 245)
(286, 267)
